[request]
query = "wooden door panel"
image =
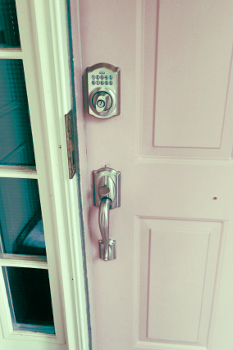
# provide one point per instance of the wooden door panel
(176, 120)
(184, 67)
(176, 263)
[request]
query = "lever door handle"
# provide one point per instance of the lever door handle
(106, 187)
(104, 229)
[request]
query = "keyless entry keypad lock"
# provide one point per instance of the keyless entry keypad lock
(103, 90)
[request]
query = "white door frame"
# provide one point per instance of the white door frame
(45, 43)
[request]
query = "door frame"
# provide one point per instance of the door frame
(83, 181)
(50, 98)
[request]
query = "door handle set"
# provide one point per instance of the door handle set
(106, 195)
(103, 101)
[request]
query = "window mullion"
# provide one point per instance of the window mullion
(31, 261)
(20, 172)
(13, 54)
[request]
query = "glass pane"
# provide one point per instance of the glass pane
(16, 146)
(29, 299)
(9, 31)
(21, 224)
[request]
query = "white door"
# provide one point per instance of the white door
(171, 285)
(42, 285)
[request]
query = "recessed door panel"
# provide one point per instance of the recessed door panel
(192, 73)
(184, 68)
(178, 263)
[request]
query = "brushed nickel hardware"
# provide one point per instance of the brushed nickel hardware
(106, 194)
(103, 90)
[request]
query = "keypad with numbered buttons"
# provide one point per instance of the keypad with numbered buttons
(102, 77)
(101, 82)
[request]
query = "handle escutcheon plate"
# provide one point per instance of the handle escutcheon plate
(111, 178)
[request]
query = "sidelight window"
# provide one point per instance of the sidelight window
(25, 276)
